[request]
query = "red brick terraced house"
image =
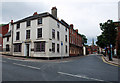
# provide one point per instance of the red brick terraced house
(118, 39)
(3, 31)
(75, 42)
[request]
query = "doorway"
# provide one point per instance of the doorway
(27, 49)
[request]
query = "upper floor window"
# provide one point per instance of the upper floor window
(18, 25)
(53, 33)
(58, 24)
(28, 23)
(27, 34)
(39, 31)
(53, 47)
(66, 38)
(58, 35)
(39, 20)
(7, 39)
(17, 35)
(65, 28)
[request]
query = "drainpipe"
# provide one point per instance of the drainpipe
(11, 25)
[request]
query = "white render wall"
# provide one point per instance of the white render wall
(62, 33)
(5, 42)
(47, 25)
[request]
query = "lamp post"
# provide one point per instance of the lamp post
(110, 45)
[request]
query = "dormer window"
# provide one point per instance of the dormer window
(39, 21)
(28, 23)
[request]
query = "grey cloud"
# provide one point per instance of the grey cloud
(18, 10)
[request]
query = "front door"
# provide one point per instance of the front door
(27, 49)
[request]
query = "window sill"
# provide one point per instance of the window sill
(17, 40)
(27, 40)
(39, 38)
(40, 24)
(17, 52)
(39, 52)
(17, 28)
(28, 26)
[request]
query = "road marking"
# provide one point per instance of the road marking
(15, 59)
(20, 64)
(33, 67)
(80, 76)
(27, 66)
(109, 62)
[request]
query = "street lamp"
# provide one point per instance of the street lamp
(110, 45)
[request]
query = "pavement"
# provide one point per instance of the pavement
(85, 69)
(40, 59)
(115, 61)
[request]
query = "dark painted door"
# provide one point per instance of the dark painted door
(27, 46)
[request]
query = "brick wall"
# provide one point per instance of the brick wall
(75, 40)
(3, 31)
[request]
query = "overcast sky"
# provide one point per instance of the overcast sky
(85, 15)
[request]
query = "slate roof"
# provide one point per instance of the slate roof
(39, 16)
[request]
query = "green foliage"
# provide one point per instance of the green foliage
(84, 39)
(109, 34)
(102, 42)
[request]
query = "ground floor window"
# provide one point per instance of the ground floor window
(39, 46)
(66, 48)
(58, 48)
(7, 48)
(53, 47)
(17, 47)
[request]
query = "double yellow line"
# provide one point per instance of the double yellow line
(109, 62)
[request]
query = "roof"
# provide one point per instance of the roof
(1, 25)
(32, 17)
(39, 16)
(7, 34)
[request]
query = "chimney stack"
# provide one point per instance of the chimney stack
(71, 25)
(54, 11)
(11, 21)
(35, 13)
(76, 30)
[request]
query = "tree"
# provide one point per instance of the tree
(84, 39)
(109, 31)
(108, 36)
(102, 42)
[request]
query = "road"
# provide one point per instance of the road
(87, 68)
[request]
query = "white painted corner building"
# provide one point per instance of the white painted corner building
(39, 35)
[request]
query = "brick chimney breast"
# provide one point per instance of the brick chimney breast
(54, 12)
